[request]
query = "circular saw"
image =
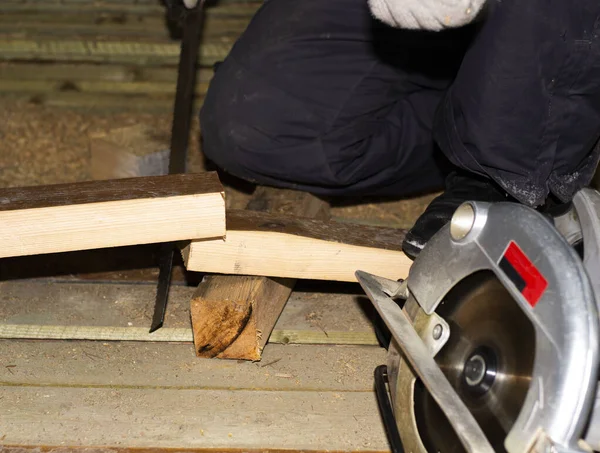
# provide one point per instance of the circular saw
(495, 334)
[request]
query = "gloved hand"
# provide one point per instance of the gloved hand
(461, 186)
(431, 15)
(176, 4)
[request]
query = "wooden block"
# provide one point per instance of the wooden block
(128, 152)
(101, 214)
(280, 246)
(234, 305)
(255, 301)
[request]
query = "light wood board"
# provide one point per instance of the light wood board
(279, 246)
(98, 214)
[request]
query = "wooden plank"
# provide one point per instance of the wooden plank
(92, 363)
(128, 189)
(96, 87)
(69, 24)
(280, 246)
(104, 102)
(42, 309)
(233, 9)
(48, 302)
(132, 52)
(180, 418)
(182, 335)
(257, 302)
(98, 214)
(324, 337)
(89, 72)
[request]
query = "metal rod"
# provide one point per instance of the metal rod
(180, 134)
(186, 81)
(166, 257)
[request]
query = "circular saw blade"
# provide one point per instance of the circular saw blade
(488, 360)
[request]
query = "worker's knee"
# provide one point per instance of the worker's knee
(221, 121)
(256, 131)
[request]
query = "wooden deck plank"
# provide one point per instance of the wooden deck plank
(100, 102)
(90, 72)
(122, 312)
(190, 418)
(174, 366)
(48, 302)
(231, 9)
(112, 26)
(94, 87)
(133, 52)
(170, 335)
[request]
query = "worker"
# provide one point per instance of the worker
(489, 102)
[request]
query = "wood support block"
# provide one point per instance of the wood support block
(239, 307)
(128, 152)
(233, 316)
(279, 246)
(101, 214)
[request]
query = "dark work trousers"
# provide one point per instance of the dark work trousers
(319, 96)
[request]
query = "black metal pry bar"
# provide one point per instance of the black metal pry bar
(192, 20)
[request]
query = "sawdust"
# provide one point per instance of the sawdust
(401, 213)
(315, 319)
(48, 145)
(42, 145)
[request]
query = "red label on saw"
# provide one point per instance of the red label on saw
(524, 275)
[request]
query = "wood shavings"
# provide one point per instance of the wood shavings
(49, 145)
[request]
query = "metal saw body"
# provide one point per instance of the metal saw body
(496, 334)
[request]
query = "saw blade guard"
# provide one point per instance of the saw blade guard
(546, 280)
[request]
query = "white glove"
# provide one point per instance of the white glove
(432, 15)
(189, 4)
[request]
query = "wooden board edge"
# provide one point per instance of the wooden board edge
(174, 335)
(391, 264)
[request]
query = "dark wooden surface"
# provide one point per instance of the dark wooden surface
(331, 231)
(136, 263)
(109, 190)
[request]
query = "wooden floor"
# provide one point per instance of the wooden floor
(105, 54)
(147, 394)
